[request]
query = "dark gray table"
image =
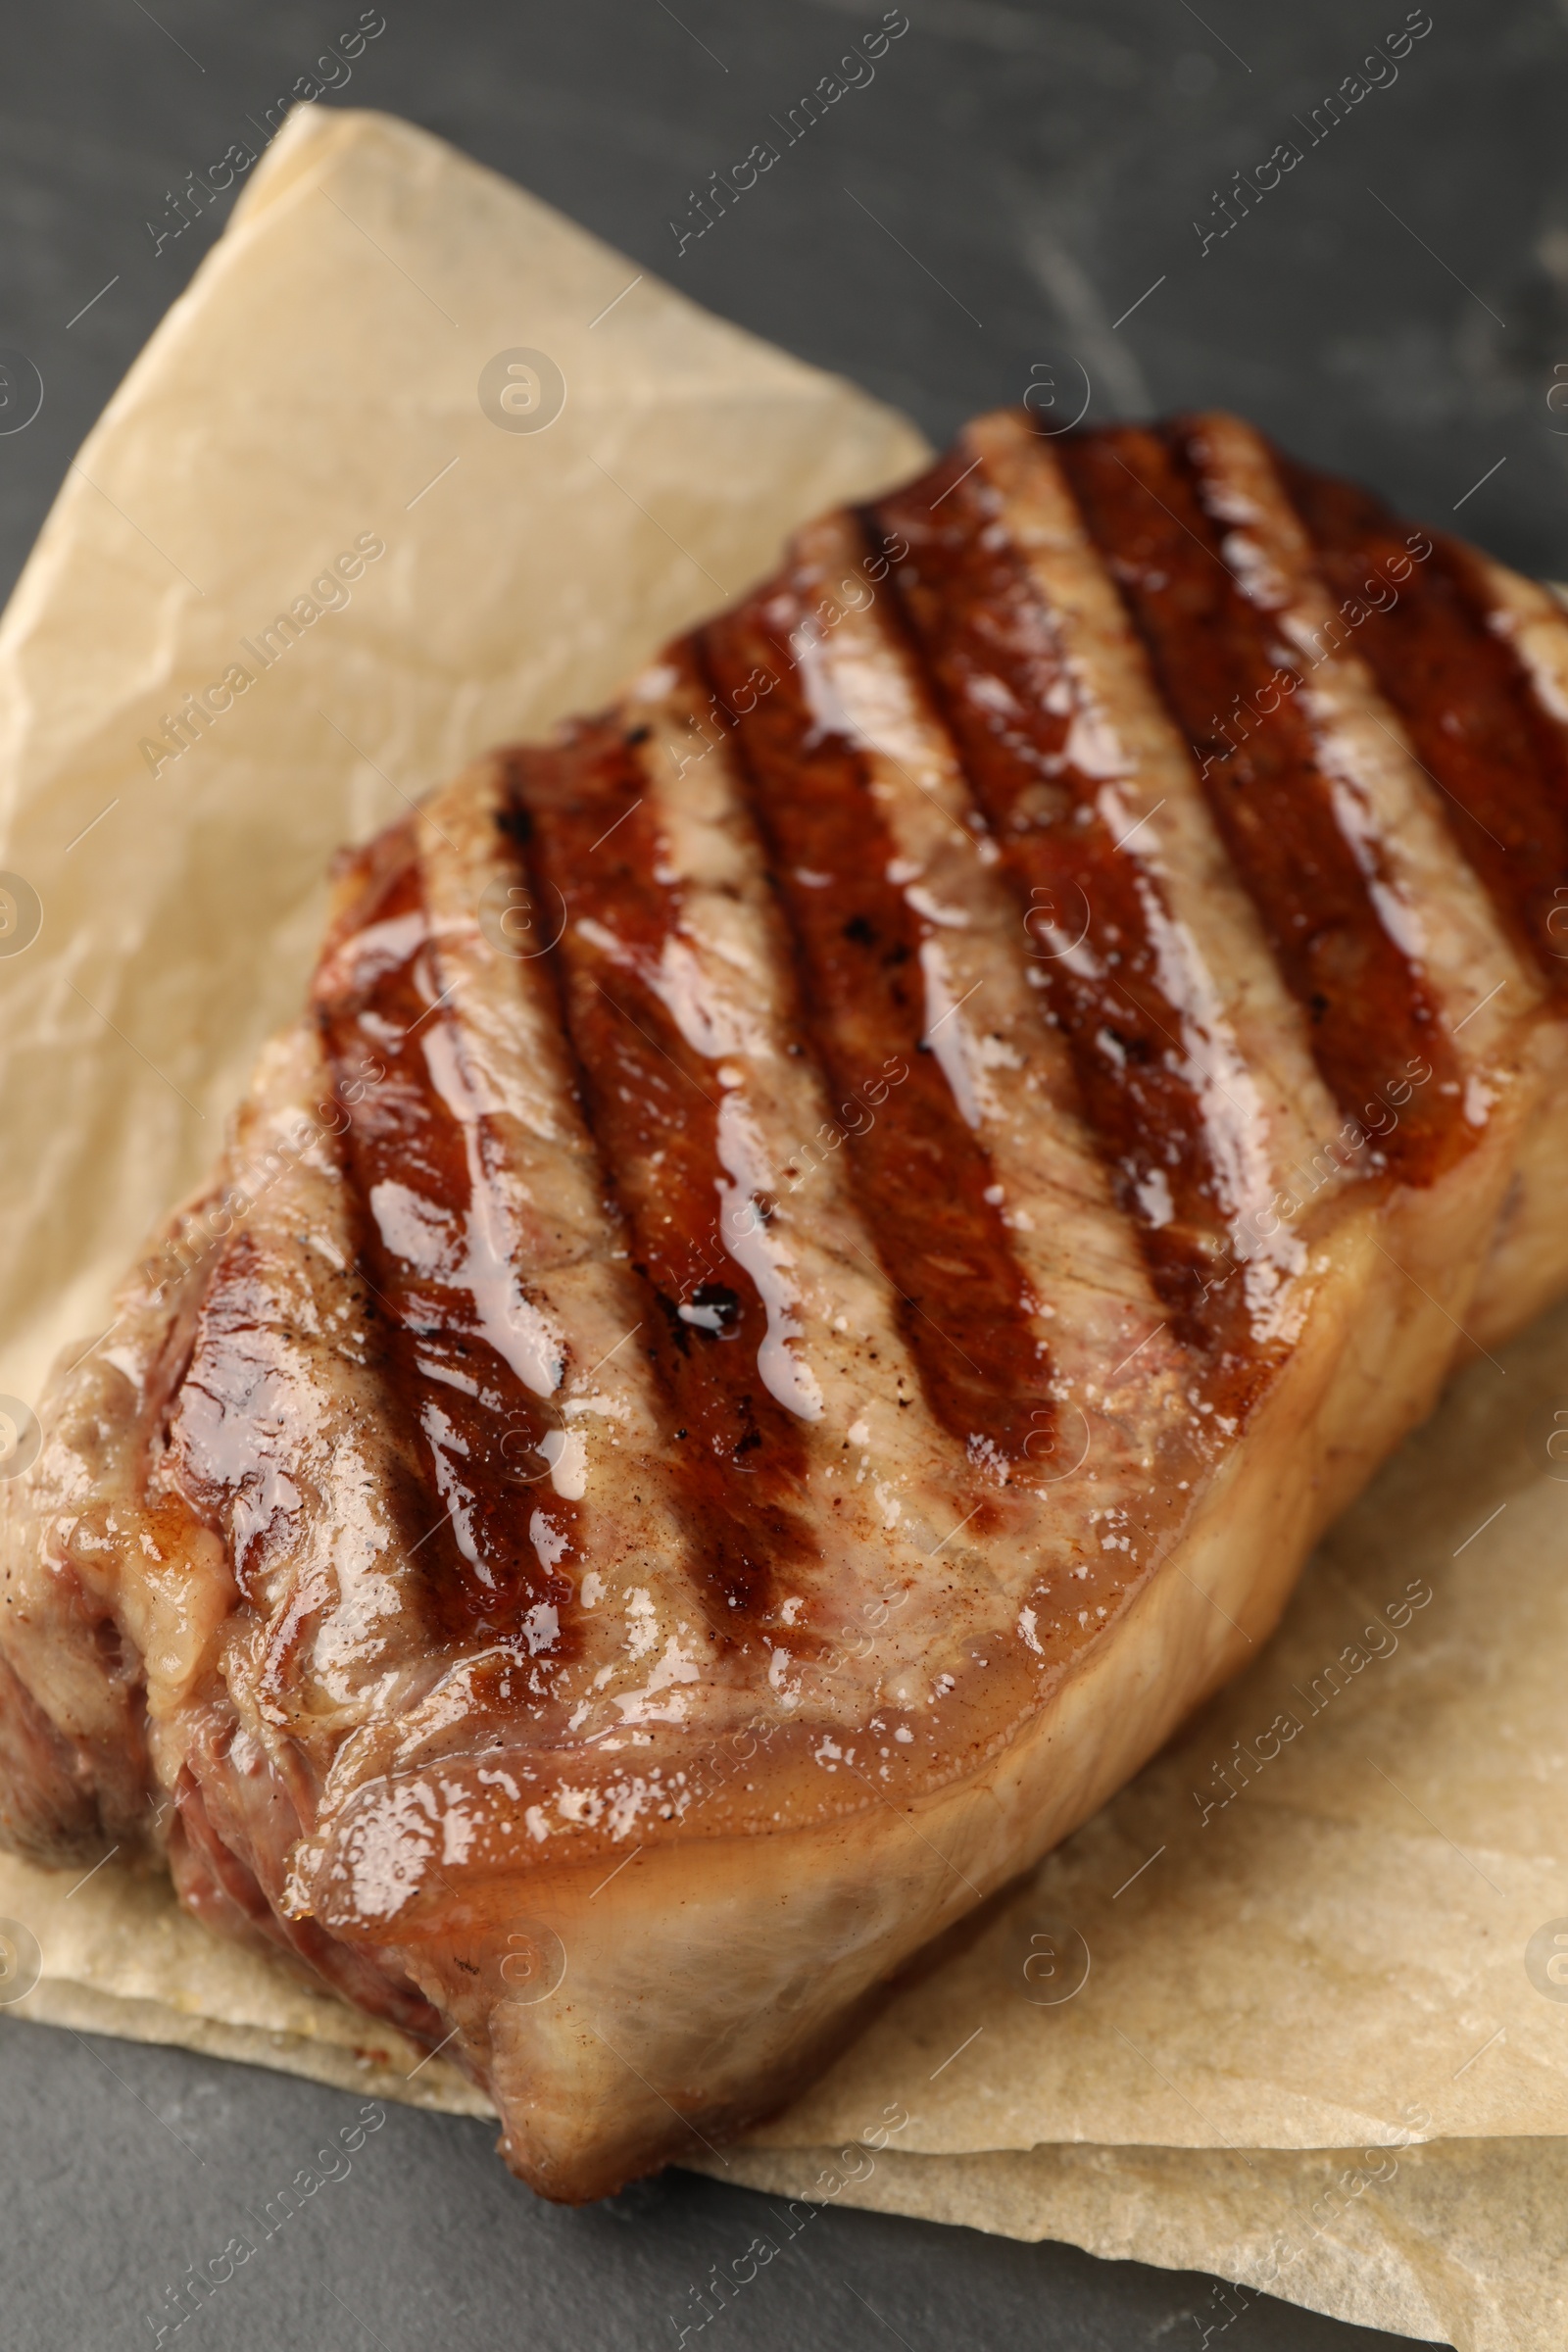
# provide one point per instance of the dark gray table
(1020, 196)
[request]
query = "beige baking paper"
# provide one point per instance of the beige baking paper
(1464, 2245)
(1335, 1958)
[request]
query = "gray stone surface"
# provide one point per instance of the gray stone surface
(977, 219)
(124, 2167)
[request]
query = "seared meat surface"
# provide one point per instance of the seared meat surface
(827, 1242)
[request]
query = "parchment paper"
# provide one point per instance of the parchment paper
(1291, 1986)
(1463, 2246)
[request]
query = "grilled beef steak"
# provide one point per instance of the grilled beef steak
(827, 1242)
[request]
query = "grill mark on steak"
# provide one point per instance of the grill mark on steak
(1369, 1007)
(996, 671)
(1464, 694)
(432, 1251)
(652, 1103)
(921, 1176)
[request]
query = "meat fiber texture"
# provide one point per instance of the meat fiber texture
(1330, 1973)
